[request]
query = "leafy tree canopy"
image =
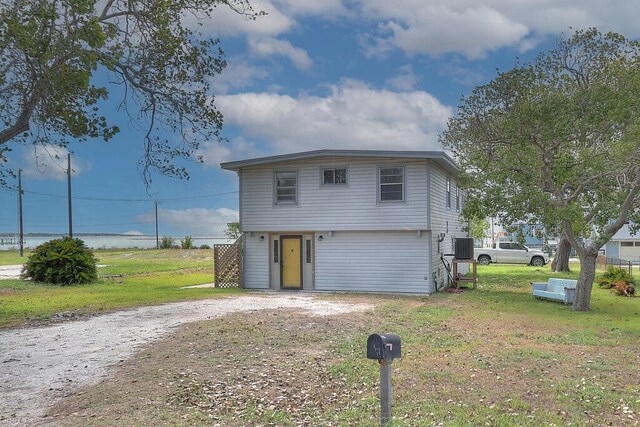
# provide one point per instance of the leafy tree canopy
(233, 230)
(558, 142)
(51, 51)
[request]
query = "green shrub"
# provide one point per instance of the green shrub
(187, 243)
(205, 246)
(613, 275)
(63, 261)
(167, 242)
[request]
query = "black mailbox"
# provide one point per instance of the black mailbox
(383, 346)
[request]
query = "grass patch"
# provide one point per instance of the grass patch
(492, 356)
(131, 278)
(12, 257)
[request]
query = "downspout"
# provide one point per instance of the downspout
(242, 242)
(430, 258)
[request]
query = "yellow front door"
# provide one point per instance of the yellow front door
(291, 262)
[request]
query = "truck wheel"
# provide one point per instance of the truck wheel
(537, 261)
(484, 260)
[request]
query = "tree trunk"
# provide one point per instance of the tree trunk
(585, 280)
(561, 260)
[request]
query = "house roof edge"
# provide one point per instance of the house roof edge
(440, 156)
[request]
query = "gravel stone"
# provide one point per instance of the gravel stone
(40, 365)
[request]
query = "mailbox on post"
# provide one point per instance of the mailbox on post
(384, 348)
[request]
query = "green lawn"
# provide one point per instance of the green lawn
(127, 279)
(497, 356)
(12, 257)
(493, 356)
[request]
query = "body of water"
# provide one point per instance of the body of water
(108, 242)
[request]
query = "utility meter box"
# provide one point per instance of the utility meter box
(383, 346)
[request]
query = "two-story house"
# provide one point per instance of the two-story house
(348, 220)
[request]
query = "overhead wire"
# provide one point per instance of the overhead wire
(107, 199)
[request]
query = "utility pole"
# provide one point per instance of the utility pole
(157, 237)
(21, 227)
(69, 194)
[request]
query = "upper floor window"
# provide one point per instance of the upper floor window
(391, 184)
(448, 195)
(457, 198)
(334, 176)
(286, 188)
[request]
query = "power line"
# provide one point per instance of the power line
(105, 199)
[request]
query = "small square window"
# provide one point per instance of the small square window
(334, 176)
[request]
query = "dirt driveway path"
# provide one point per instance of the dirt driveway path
(10, 271)
(42, 364)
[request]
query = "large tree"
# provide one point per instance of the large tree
(58, 59)
(558, 142)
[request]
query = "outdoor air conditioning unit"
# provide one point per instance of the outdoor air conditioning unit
(463, 248)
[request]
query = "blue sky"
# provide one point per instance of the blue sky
(310, 74)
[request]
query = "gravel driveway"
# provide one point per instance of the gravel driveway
(10, 271)
(42, 364)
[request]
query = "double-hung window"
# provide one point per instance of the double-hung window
(391, 184)
(334, 176)
(286, 188)
(457, 198)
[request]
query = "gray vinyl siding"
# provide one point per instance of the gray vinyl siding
(376, 261)
(353, 206)
(612, 249)
(256, 261)
(440, 214)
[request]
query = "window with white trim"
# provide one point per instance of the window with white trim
(390, 184)
(448, 195)
(335, 176)
(286, 184)
(457, 198)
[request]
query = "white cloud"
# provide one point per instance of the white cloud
(435, 27)
(50, 162)
(226, 22)
(214, 153)
(237, 75)
(473, 27)
(269, 47)
(404, 79)
(197, 221)
(352, 115)
(325, 8)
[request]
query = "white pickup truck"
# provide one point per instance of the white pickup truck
(511, 253)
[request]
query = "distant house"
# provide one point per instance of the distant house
(624, 245)
(348, 220)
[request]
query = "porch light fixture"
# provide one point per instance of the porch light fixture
(320, 238)
(261, 238)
